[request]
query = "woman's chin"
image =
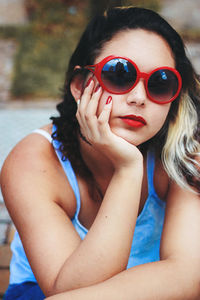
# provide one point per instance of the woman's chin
(131, 137)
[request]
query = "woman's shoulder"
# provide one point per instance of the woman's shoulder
(31, 150)
(33, 164)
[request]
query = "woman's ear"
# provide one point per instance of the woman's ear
(76, 85)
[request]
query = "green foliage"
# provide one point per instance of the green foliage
(100, 6)
(53, 16)
(151, 4)
(11, 32)
(44, 47)
(40, 65)
(191, 34)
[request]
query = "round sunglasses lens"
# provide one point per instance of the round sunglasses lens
(118, 75)
(163, 85)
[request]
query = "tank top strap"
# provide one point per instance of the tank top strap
(43, 133)
(150, 171)
(71, 176)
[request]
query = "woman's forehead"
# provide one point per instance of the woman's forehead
(142, 46)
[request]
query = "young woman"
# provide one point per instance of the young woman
(106, 199)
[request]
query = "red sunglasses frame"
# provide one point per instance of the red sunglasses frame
(97, 68)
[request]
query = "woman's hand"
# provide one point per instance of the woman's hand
(97, 131)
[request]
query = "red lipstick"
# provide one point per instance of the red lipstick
(134, 121)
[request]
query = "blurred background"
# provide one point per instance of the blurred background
(37, 38)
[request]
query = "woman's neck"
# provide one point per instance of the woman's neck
(98, 164)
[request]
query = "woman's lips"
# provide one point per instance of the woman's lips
(134, 121)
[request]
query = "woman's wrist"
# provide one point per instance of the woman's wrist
(132, 170)
(132, 167)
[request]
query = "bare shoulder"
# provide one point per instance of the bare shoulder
(33, 165)
(32, 153)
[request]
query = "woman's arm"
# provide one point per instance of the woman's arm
(59, 259)
(175, 277)
(105, 250)
(164, 280)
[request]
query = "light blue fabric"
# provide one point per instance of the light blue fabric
(148, 230)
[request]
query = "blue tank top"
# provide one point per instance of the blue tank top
(146, 241)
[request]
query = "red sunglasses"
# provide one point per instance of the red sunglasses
(119, 75)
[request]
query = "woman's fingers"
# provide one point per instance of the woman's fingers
(93, 103)
(82, 104)
(103, 119)
(91, 111)
(87, 94)
(87, 110)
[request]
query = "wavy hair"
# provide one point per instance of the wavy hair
(178, 140)
(181, 152)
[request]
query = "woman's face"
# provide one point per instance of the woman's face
(149, 51)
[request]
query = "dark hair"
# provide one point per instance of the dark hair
(99, 31)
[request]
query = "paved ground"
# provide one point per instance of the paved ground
(15, 123)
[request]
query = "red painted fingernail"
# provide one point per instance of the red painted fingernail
(97, 88)
(88, 82)
(109, 100)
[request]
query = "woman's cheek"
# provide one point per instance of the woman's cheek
(162, 116)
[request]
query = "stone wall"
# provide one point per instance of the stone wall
(12, 12)
(183, 14)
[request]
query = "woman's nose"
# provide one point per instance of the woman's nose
(138, 94)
